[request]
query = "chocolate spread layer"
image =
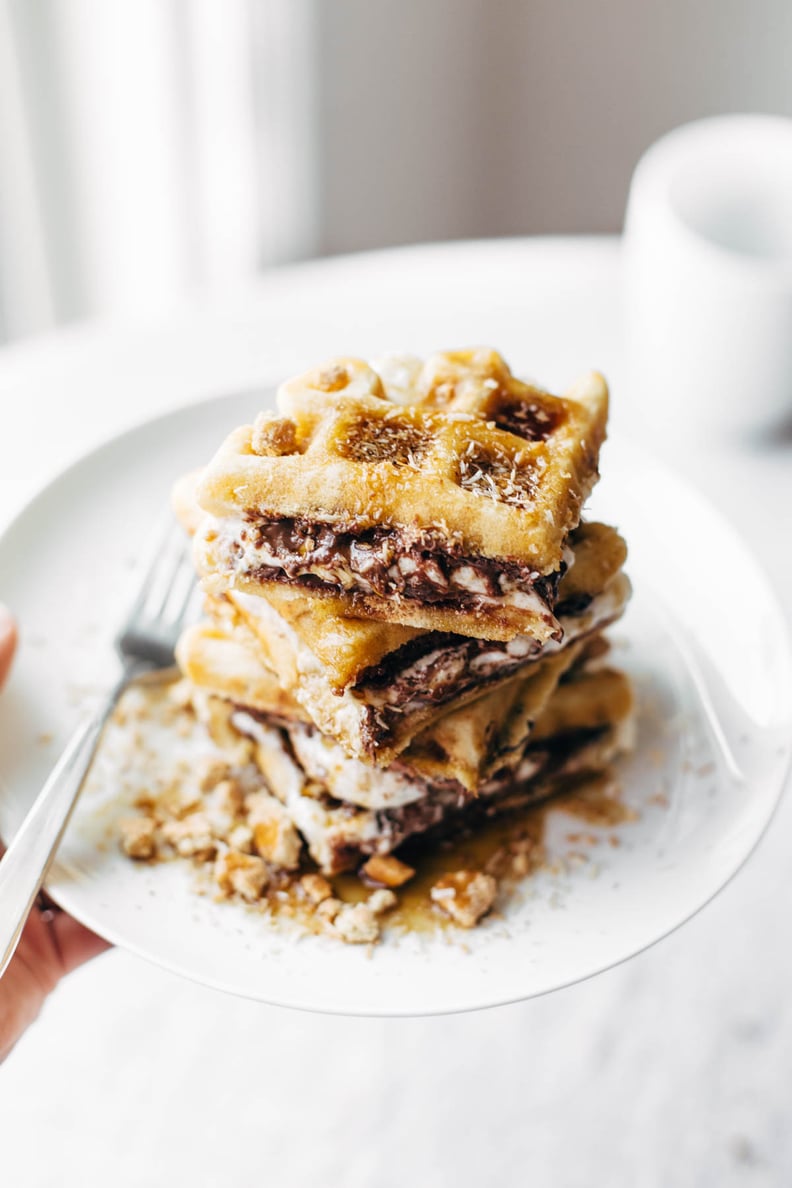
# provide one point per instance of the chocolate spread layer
(446, 657)
(429, 671)
(419, 564)
(447, 809)
(574, 605)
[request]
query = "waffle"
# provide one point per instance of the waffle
(225, 660)
(374, 688)
(476, 381)
(450, 514)
(591, 700)
(347, 672)
(222, 659)
(305, 772)
(348, 646)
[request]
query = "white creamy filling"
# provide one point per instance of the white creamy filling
(349, 779)
(325, 762)
(468, 579)
(529, 600)
(322, 828)
(285, 778)
(603, 608)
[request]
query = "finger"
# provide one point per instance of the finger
(76, 943)
(8, 640)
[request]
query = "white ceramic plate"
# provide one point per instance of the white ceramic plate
(703, 638)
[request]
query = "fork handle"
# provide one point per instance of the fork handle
(27, 860)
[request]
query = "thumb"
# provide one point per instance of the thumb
(8, 641)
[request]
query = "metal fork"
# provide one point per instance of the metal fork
(144, 644)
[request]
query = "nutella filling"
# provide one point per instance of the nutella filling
(342, 834)
(446, 809)
(436, 668)
(431, 670)
(418, 564)
(576, 604)
(430, 664)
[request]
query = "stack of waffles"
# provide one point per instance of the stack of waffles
(405, 611)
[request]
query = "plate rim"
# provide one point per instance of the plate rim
(122, 440)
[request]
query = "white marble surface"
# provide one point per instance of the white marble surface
(674, 1069)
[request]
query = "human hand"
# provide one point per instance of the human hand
(52, 944)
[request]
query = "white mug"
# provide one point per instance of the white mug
(708, 277)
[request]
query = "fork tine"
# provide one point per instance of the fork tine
(165, 596)
(172, 566)
(181, 591)
(169, 532)
(189, 608)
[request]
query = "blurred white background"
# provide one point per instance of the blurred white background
(154, 150)
(149, 148)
